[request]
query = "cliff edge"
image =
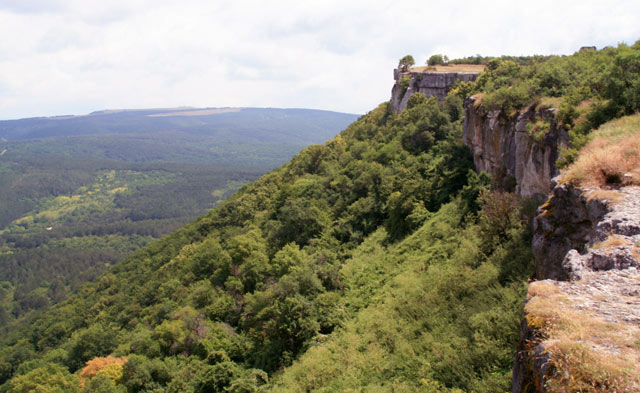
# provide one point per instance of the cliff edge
(581, 329)
(581, 326)
(507, 147)
(431, 84)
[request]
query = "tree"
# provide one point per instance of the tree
(49, 378)
(437, 60)
(405, 63)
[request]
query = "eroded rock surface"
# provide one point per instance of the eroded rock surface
(588, 263)
(567, 221)
(431, 84)
(501, 145)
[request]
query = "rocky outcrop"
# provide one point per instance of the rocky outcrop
(502, 145)
(582, 318)
(431, 84)
(531, 366)
(567, 221)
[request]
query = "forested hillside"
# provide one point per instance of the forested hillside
(379, 261)
(304, 252)
(90, 190)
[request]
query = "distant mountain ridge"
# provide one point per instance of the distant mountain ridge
(286, 123)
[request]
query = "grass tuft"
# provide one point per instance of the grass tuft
(611, 242)
(610, 196)
(576, 340)
(611, 158)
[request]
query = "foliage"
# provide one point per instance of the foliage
(435, 60)
(406, 62)
(47, 379)
(538, 130)
(109, 367)
(70, 239)
(364, 254)
(81, 193)
(440, 319)
(589, 88)
(404, 82)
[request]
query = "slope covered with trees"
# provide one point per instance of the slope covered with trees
(379, 261)
(299, 256)
(90, 190)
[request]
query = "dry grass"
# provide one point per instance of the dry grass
(610, 196)
(583, 370)
(611, 242)
(463, 68)
(611, 158)
(542, 288)
(587, 353)
(478, 100)
(549, 102)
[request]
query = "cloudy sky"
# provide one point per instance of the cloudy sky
(76, 56)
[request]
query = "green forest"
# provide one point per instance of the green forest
(379, 261)
(51, 245)
(80, 196)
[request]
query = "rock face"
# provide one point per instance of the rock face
(431, 84)
(587, 257)
(567, 221)
(501, 145)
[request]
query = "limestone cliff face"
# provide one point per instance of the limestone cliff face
(502, 146)
(582, 316)
(567, 221)
(431, 84)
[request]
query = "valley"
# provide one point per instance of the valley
(429, 246)
(73, 205)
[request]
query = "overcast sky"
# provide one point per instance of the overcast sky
(76, 56)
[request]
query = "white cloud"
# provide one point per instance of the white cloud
(82, 55)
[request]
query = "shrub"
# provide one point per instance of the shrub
(538, 130)
(437, 60)
(406, 62)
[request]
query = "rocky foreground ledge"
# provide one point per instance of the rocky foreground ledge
(581, 330)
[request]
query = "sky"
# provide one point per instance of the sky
(60, 57)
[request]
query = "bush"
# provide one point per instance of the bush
(406, 62)
(437, 60)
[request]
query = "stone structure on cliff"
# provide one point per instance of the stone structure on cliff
(502, 146)
(431, 84)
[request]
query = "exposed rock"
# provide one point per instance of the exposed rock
(502, 146)
(565, 222)
(500, 143)
(531, 367)
(431, 84)
(591, 251)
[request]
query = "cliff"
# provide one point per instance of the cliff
(582, 318)
(504, 146)
(508, 146)
(431, 84)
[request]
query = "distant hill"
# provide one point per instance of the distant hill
(283, 125)
(261, 138)
(79, 193)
